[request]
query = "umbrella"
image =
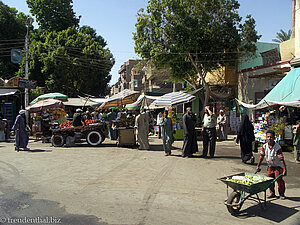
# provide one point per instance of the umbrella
(54, 95)
(44, 104)
(122, 98)
(172, 99)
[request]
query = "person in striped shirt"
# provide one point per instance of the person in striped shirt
(276, 164)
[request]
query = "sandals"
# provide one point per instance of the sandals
(168, 153)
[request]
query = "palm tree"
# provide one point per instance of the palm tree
(283, 36)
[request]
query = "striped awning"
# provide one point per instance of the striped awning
(172, 99)
(136, 105)
(122, 98)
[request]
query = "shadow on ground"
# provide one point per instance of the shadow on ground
(18, 205)
(35, 150)
(273, 212)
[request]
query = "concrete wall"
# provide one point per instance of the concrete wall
(248, 86)
(287, 49)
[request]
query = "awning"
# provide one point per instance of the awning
(80, 102)
(54, 95)
(44, 104)
(286, 92)
(4, 92)
(172, 99)
(136, 105)
(122, 98)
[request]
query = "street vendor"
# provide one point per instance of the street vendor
(112, 133)
(77, 117)
(46, 124)
(94, 115)
(276, 164)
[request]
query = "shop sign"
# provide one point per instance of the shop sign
(25, 83)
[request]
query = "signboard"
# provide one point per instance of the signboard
(25, 83)
(16, 56)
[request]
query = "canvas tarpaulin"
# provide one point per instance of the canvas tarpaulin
(286, 92)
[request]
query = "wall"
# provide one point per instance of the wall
(287, 49)
(266, 76)
(249, 62)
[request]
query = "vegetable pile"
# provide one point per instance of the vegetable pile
(247, 179)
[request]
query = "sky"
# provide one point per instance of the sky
(115, 21)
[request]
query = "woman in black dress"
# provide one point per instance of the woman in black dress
(245, 137)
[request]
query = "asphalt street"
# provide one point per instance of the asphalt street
(118, 185)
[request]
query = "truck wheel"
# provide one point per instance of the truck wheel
(94, 138)
(57, 140)
(234, 198)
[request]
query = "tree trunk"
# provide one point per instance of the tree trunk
(207, 91)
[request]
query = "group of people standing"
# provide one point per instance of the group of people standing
(189, 120)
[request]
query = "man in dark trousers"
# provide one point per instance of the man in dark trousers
(209, 132)
(190, 145)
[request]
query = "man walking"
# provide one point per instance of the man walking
(190, 145)
(209, 133)
(142, 130)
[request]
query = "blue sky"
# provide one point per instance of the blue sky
(115, 20)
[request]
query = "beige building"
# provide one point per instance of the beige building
(157, 81)
(125, 77)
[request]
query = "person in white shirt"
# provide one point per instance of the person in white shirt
(221, 121)
(276, 164)
(158, 122)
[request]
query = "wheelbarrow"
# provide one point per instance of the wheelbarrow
(242, 192)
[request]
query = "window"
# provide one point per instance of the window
(135, 83)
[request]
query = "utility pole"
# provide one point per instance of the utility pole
(29, 23)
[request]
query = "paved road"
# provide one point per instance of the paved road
(112, 185)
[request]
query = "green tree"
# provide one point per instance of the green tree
(92, 32)
(282, 36)
(12, 35)
(64, 57)
(54, 15)
(193, 37)
(69, 61)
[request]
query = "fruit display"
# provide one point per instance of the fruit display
(69, 123)
(125, 122)
(247, 179)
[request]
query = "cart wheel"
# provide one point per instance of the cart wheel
(234, 198)
(57, 140)
(94, 138)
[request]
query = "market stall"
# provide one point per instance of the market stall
(170, 100)
(44, 114)
(280, 119)
(125, 129)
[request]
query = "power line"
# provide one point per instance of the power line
(9, 40)
(96, 66)
(11, 44)
(87, 62)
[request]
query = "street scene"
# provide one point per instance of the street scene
(111, 185)
(149, 112)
